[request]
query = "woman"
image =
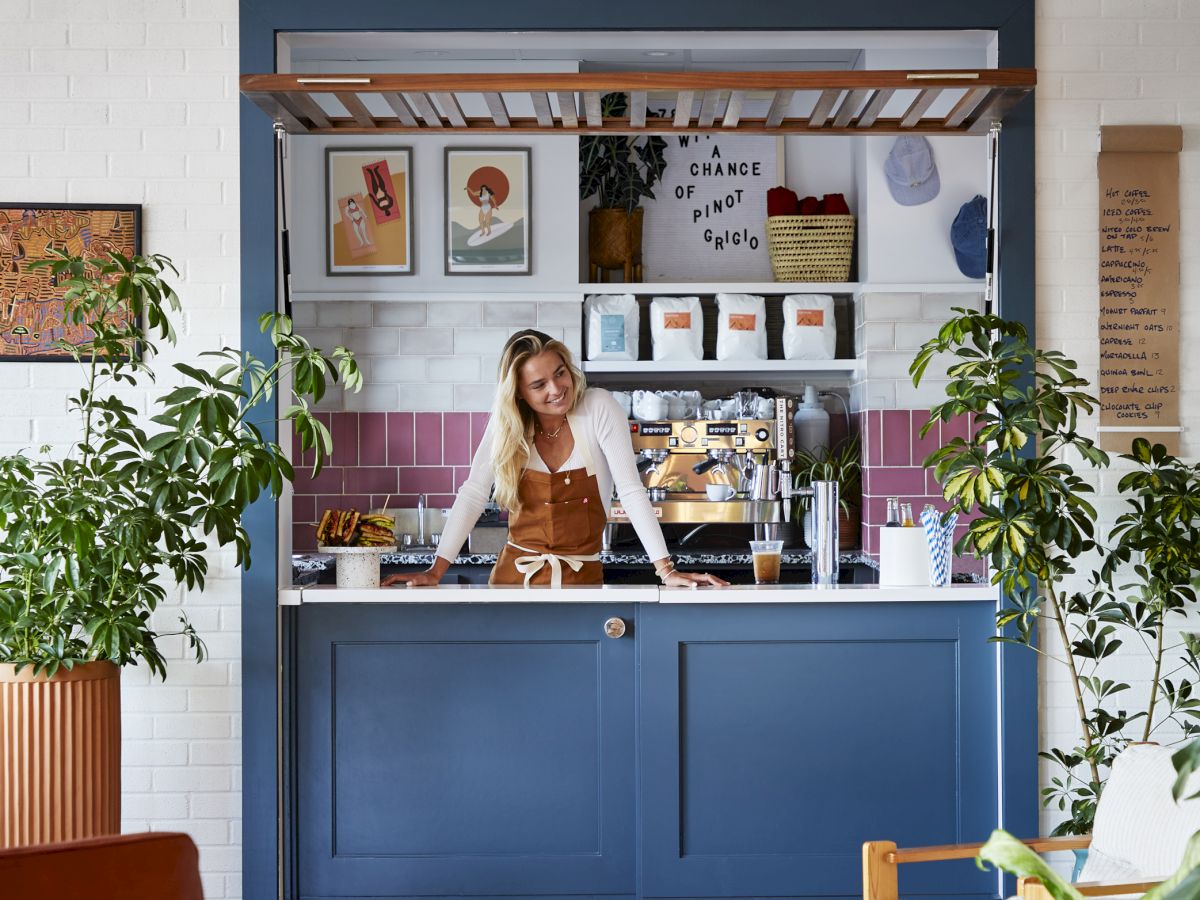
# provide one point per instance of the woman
(553, 449)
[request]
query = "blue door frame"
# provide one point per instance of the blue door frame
(264, 638)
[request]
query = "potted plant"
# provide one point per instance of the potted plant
(91, 542)
(619, 170)
(841, 463)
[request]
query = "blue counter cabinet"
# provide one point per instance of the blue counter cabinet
(775, 739)
(510, 750)
(482, 750)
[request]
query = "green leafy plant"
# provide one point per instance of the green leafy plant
(1032, 523)
(1005, 852)
(620, 169)
(1157, 539)
(841, 463)
(1031, 516)
(91, 542)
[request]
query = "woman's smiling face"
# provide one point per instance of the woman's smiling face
(545, 384)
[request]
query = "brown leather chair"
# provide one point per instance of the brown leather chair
(153, 866)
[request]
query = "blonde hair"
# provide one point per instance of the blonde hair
(512, 420)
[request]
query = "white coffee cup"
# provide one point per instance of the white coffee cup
(719, 491)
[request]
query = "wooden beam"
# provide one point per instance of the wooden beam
(820, 112)
(425, 110)
(541, 109)
(848, 107)
(637, 109)
(358, 111)
(683, 108)
(591, 105)
(307, 108)
(779, 106)
(733, 109)
(966, 105)
(874, 107)
(604, 82)
(449, 105)
(495, 105)
(401, 108)
(919, 106)
(567, 111)
(708, 109)
(274, 106)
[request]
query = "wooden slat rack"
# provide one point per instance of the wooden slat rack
(844, 102)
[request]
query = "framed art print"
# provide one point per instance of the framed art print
(32, 319)
(368, 211)
(488, 207)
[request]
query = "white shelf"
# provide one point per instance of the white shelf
(670, 288)
(703, 367)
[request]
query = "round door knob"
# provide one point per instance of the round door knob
(614, 627)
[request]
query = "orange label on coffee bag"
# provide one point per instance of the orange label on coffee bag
(812, 318)
(741, 321)
(677, 320)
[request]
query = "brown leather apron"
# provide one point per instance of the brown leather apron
(555, 539)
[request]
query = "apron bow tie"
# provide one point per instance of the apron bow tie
(532, 564)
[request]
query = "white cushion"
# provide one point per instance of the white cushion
(1140, 831)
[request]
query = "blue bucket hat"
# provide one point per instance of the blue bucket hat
(911, 174)
(968, 236)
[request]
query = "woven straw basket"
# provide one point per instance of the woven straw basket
(811, 248)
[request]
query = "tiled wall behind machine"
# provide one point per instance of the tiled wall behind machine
(430, 372)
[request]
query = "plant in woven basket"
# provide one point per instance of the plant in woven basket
(91, 542)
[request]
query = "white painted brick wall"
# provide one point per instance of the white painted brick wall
(135, 102)
(1107, 62)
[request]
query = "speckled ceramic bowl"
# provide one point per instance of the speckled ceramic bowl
(358, 567)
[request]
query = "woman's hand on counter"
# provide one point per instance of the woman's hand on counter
(693, 579)
(428, 578)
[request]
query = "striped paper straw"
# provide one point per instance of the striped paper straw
(938, 540)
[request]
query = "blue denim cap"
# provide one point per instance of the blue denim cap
(911, 174)
(968, 236)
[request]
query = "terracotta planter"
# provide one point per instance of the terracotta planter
(615, 242)
(60, 754)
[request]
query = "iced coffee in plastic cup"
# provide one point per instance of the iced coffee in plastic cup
(767, 557)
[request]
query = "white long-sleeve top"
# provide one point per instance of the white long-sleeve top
(600, 422)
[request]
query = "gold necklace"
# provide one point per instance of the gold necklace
(552, 434)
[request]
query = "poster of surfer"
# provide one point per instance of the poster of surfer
(487, 211)
(368, 211)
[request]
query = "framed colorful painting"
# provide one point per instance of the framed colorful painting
(368, 211)
(488, 208)
(32, 320)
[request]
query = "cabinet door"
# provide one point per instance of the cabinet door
(477, 750)
(776, 739)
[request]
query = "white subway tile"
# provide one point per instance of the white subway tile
(890, 307)
(71, 61)
(455, 313)
(374, 340)
(560, 313)
(408, 369)
(480, 340)
(431, 397)
(510, 313)
(33, 34)
(426, 341)
(401, 313)
(344, 314)
(474, 397)
(460, 368)
(372, 398)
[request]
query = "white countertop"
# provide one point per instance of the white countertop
(763, 593)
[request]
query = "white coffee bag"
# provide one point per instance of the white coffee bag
(741, 326)
(612, 326)
(809, 329)
(677, 328)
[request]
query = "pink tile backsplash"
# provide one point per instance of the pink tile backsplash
(426, 480)
(456, 438)
(479, 423)
(896, 437)
(429, 439)
(345, 439)
(375, 480)
(372, 439)
(400, 441)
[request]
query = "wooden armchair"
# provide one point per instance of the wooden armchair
(1138, 838)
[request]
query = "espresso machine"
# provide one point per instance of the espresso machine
(745, 461)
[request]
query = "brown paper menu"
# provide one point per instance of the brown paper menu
(1139, 285)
